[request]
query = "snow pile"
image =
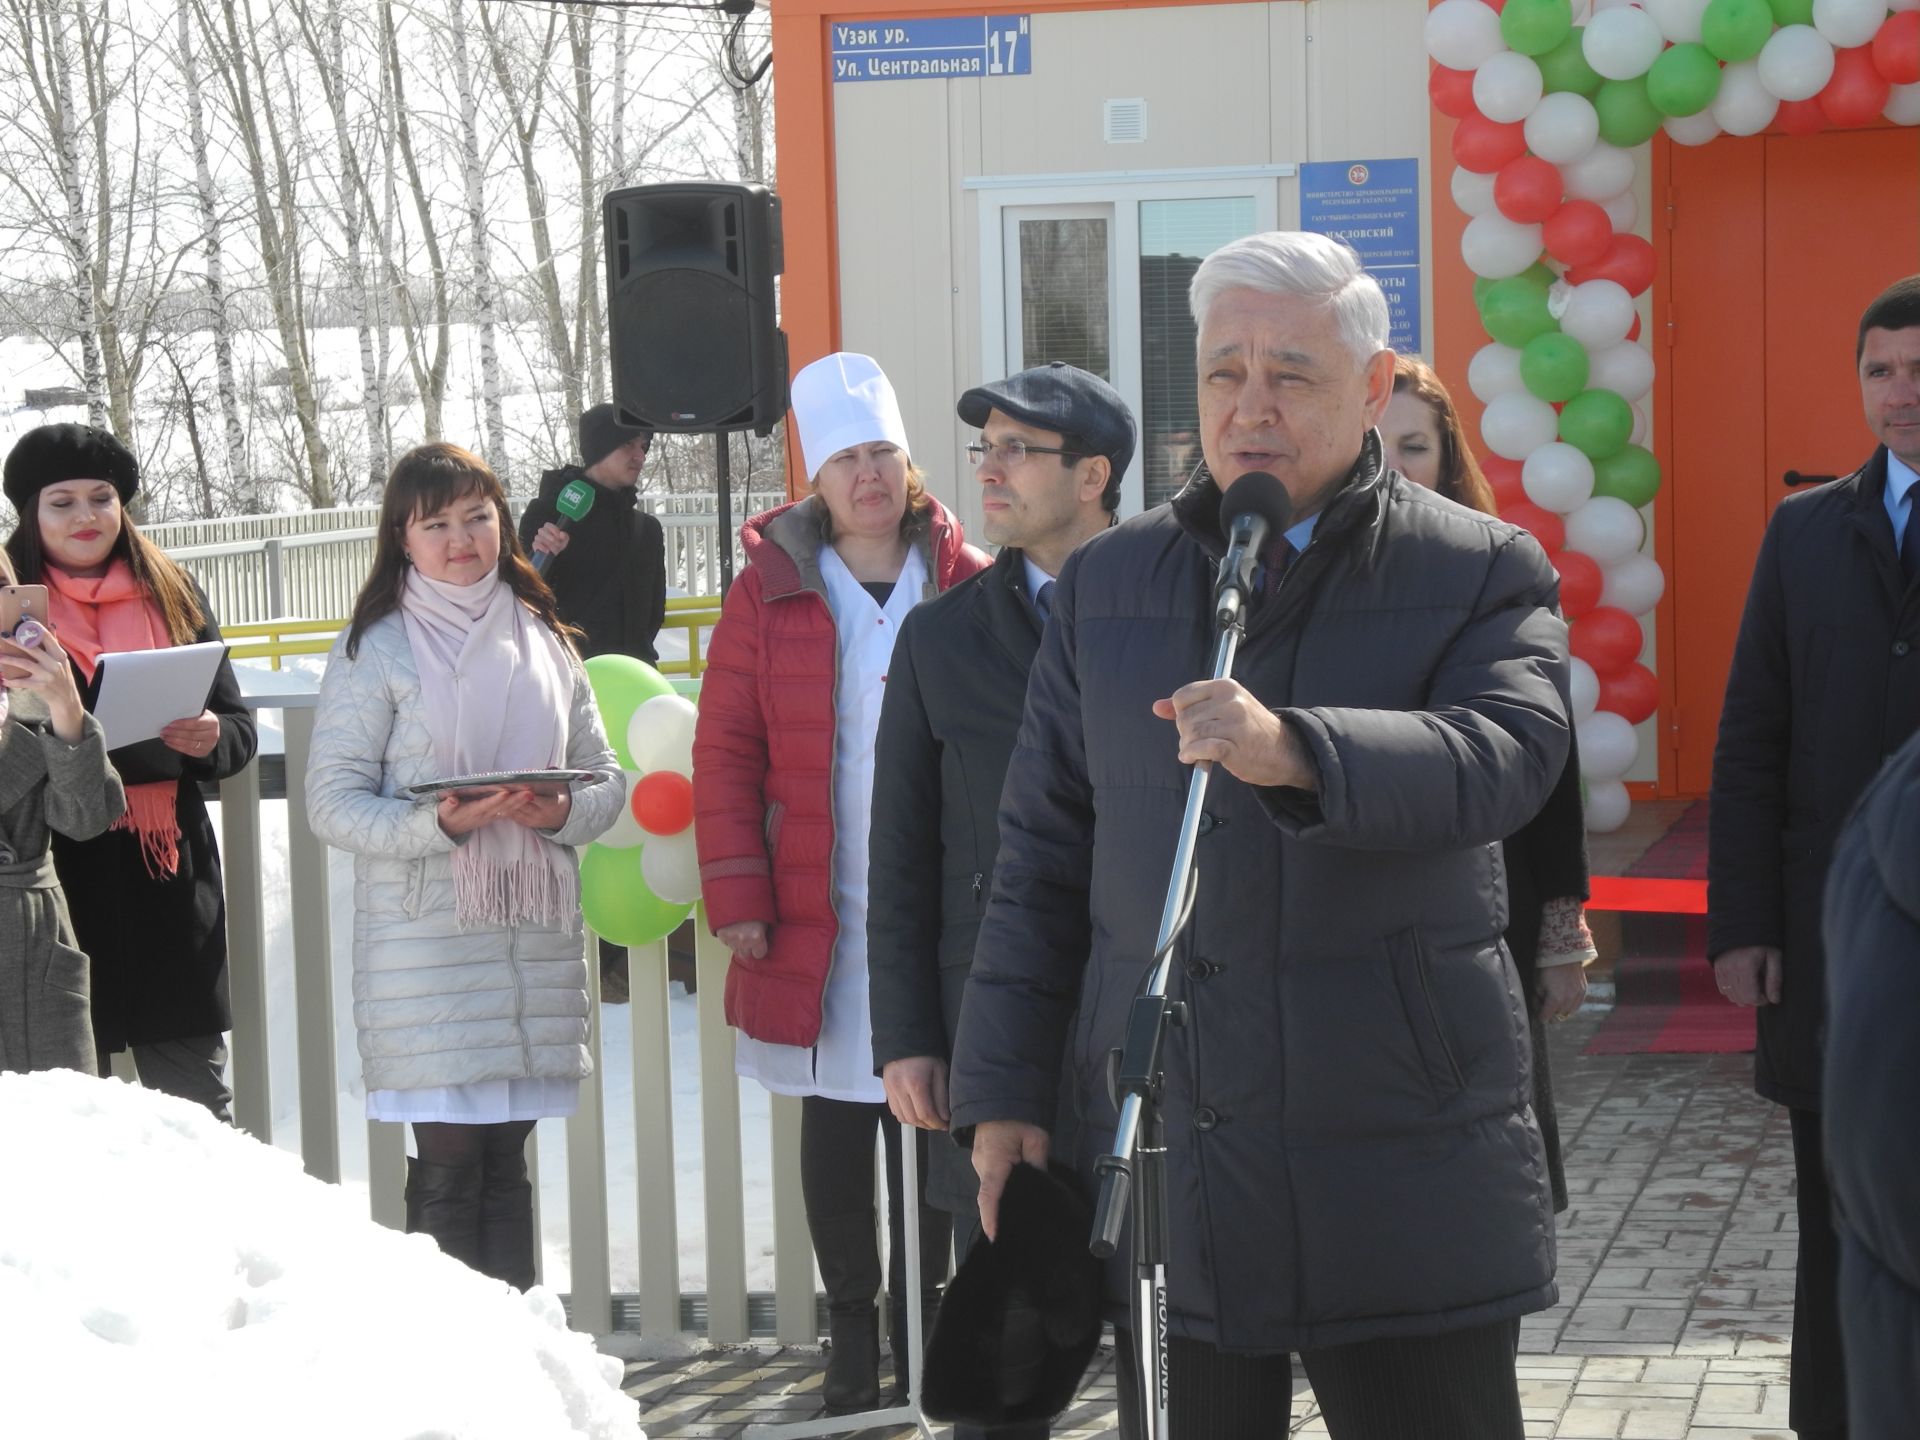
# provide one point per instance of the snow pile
(165, 1276)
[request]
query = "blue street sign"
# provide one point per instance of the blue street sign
(1373, 205)
(957, 47)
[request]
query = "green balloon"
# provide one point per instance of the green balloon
(1481, 284)
(1515, 311)
(1554, 366)
(621, 685)
(1735, 30)
(1597, 424)
(1684, 80)
(1791, 12)
(1628, 118)
(1633, 475)
(616, 901)
(1534, 27)
(1565, 66)
(1541, 273)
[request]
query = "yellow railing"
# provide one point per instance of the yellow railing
(276, 639)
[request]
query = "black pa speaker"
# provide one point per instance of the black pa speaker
(690, 306)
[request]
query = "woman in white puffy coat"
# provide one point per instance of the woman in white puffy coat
(470, 982)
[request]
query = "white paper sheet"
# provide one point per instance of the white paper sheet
(144, 691)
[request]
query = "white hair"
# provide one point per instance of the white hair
(1299, 262)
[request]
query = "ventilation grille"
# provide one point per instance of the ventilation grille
(1126, 122)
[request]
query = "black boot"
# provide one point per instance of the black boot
(852, 1382)
(506, 1220)
(444, 1201)
(849, 1258)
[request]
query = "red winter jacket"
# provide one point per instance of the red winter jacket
(763, 761)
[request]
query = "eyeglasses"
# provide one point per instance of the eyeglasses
(1014, 451)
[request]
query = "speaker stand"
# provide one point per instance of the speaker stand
(723, 478)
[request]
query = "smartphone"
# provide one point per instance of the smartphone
(18, 602)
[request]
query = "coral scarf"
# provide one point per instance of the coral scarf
(114, 613)
(497, 689)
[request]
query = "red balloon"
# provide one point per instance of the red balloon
(663, 802)
(1451, 91)
(1633, 330)
(1801, 117)
(1545, 526)
(1628, 261)
(1857, 93)
(1504, 476)
(1483, 146)
(1580, 582)
(1896, 49)
(1528, 190)
(1607, 638)
(1578, 233)
(1633, 693)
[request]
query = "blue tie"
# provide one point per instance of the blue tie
(1910, 537)
(1043, 601)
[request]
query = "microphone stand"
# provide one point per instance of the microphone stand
(1139, 1153)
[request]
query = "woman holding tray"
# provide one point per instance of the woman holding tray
(469, 976)
(146, 897)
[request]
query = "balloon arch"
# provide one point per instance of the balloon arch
(1555, 101)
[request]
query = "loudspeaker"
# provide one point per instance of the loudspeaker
(690, 306)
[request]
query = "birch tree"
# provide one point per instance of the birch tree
(486, 303)
(429, 366)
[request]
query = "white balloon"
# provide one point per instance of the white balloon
(1607, 529)
(1472, 191)
(1581, 10)
(1623, 210)
(1494, 371)
(1847, 23)
(1463, 34)
(1558, 477)
(1634, 584)
(1903, 104)
(1507, 86)
(1700, 129)
(1585, 688)
(1563, 127)
(1679, 20)
(1597, 313)
(1621, 44)
(1607, 747)
(1641, 427)
(625, 832)
(1796, 63)
(1626, 369)
(1516, 424)
(671, 867)
(1898, 5)
(1608, 806)
(1496, 248)
(660, 734)
(1744, 105)
(1600, 7)
(1602, 173)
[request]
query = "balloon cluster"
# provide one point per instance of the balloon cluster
(1553, 99)
(641, 878)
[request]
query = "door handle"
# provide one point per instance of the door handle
(1794, 477)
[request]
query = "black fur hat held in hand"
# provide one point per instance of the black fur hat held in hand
(48, 454)
(1021, 1320)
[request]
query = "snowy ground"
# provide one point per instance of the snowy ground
(167, 1276)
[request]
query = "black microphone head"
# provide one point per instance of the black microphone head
(1258, 494)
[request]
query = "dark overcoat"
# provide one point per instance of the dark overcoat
(1352, 1149)
(1825, 685)
(611, 580)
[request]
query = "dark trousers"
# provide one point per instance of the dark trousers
(836, 1183)
(192, 1069)
(1817, 1393)
(1457, 1386)
(966, 1235)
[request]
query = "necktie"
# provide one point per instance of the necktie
(1279, 555)
(1910, 538)
(1043, 601)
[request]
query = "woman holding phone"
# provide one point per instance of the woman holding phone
(469, 969)
(146, 897)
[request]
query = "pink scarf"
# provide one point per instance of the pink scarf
(497, 689)
(98, 617)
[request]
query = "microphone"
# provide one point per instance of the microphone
(573, 502)
(1254, 508)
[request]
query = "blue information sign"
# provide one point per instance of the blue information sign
(1373, 205)
(957, 47)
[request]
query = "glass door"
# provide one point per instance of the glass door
(1059, 299)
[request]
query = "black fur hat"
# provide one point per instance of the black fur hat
(48, 454)
(1021, 1319)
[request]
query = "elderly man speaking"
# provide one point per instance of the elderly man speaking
(1355, 1175)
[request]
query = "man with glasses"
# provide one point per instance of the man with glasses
(1054, 443)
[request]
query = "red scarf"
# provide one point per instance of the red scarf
(111, 613)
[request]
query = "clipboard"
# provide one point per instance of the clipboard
(138, 693)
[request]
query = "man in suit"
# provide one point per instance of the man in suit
(1054, 443)
(1825, 685)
